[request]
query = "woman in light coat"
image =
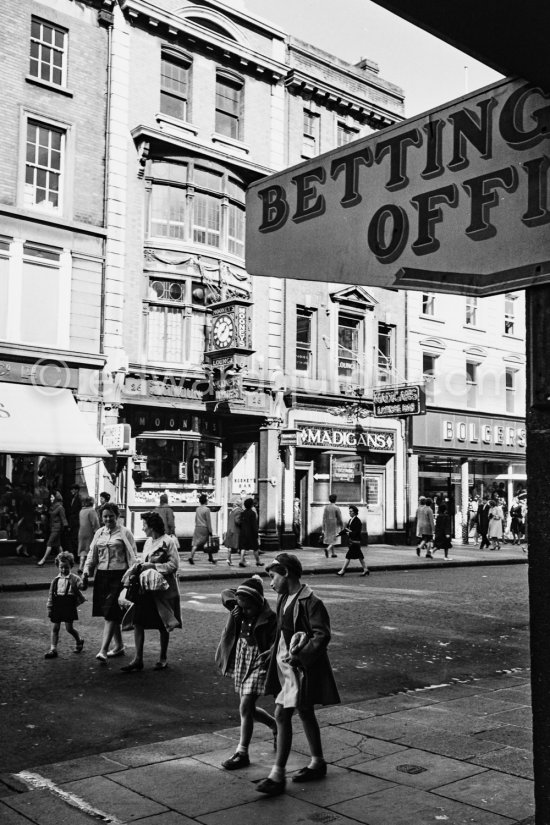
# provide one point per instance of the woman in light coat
(496, 527)
(231, 539)
(88, 527)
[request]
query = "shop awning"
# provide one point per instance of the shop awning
(511, 477)
(44, 421)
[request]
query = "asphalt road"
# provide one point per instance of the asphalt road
(391, 631)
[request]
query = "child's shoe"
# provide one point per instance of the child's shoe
(79, 646)
(51, 654)
(238, 760)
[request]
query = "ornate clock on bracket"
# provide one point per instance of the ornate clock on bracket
(230, 331)
(223, 332)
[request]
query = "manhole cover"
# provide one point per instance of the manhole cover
(412, 769)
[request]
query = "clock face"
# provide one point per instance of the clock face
(223, 331)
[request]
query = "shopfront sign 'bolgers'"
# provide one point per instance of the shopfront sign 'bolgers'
(457, 199)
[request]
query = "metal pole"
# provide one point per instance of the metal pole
(538, 453)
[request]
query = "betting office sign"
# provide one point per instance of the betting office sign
(393, 402)
(454, 200)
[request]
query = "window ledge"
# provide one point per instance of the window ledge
(431, 318)
(473, 328)
(512, 337)
(230, 142)
(172, 124)
(53, 87)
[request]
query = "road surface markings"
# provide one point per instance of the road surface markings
(36, 782)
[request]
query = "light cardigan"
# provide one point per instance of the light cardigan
(99, 556)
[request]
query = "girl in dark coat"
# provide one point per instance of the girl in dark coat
(354, 530)
(58, 522)
(248, 533)
(243, 653)
(442, 537)
(299, 673)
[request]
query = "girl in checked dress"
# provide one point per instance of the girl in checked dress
(243, 653)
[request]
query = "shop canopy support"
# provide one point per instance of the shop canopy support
(538, 472)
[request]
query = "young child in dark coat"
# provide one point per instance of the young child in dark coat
(243, 653)
(63, 601)
(299, 673)
(442, 536)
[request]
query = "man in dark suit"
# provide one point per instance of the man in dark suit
(483, 521)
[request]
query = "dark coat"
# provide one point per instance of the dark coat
(248, 532)
(309, 614)
(355, 527)
(442, 530)
(264, 631)
(483, 517)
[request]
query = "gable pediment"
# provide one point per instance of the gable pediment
(354, 296)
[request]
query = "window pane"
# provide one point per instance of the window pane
(346, 478)
(303, 329)
(236, 230)
(228, 107)
(206, 223)
(40, 289)
(167, 212)
(4, 276)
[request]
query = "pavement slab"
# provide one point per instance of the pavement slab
(522, 694)
(522, 717)
(336, 714)
(164, 751)
(509, 735)
(189, 786)
(338, 743)
(390, 728)
(60, 772)
(277, 810)
(483, 705)
(397, 702)
(418, 769)
(406, 806)
(453, 745)
(494, 791)
(440, 717)
(47, 808)
(11, 817)
(105, 795)
(340, 784)
(169, 818)
(517, 761)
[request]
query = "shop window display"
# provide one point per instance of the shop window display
(346, 477)
(179, 462)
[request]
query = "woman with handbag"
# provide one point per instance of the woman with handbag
(354, 531)
(202, 531)
(248, 536)
(496, 528)
(112, 552)
(157, 606)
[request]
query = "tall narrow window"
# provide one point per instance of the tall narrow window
(310, 144)
(349, 348)
(471, 311)
(229, 96)
(206, 220)
(510, 391)
(167, 212)
(509, 313)
(48, 59)
(428, 375)
(385, 353)
(471, 384)
(428, 303)
(41, 287)
(174, 87)
(345, 134)
(165, 332)
(304, 320)
(43, 167)
(235, 231)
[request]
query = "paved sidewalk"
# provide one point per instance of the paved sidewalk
(23, 574)
(458, 754)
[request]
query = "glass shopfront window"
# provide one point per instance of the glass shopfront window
(167, 461)
(346, 477)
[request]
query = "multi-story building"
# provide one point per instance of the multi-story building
(52, 241)
(470, 352)
(207, 99)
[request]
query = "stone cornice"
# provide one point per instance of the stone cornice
(337, 98)
(166, 23)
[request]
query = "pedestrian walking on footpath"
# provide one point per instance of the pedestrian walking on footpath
(354, 531)
(333, 524)
(231, 538)
(424, 526)
(112, 552)
(299, 673)
(73, 512)
(496, 526)
(516, 522)
(202, 531)
(442, 535)
(483, 522)
(58, 523)
(167, 515)
(243, 654)
(63, 601)
(248, 533)
(88, 527)
(158, 604)
(104, 498)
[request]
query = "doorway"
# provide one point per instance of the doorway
(301, 492)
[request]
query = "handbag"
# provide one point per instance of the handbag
(213, 544)
(133, 588)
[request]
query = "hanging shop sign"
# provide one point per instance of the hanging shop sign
(341, 438)
(454, 200)
(229, 388)
(116, 437)
(393, 402)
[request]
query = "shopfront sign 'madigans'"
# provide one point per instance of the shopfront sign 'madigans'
(340, 438)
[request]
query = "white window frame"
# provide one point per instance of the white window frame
(427, 306)
(510, 389)
(385, 363)
(65, 203)
(472, 384)
(42, 45)
(345, 134)
(184, 64)
(311, 127)
(304, 312)
(509, 313)
(472, 308)
(165, 305)
(233, 81)
(429, 376)
(357, 322)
